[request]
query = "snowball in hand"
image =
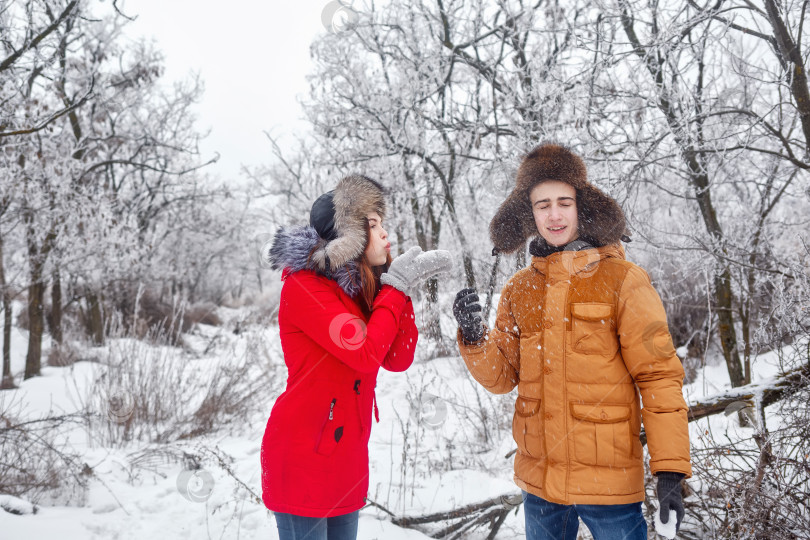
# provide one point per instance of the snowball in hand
(667, 530)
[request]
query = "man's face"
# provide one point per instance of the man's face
(554, 206)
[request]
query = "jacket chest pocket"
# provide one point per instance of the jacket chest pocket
(332, 431)
(527, 429)
(593, 329)
(602, 435)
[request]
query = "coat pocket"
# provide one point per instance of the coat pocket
(332, 430)
(593, 328)
(526, 428)
(601, 434)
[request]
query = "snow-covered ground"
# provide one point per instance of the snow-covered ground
(431, 451)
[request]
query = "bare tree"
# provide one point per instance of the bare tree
(687, 109)
(446, 96)
(100, 157)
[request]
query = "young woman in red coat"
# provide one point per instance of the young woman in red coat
(344, 313)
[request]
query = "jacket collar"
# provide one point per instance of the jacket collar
(292, 249)
(566, 263)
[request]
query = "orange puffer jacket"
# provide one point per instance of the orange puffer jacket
(581, 334)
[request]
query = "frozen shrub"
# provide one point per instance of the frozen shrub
(35, 462)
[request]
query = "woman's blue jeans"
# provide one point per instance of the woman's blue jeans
(549, 521)
(292, 527)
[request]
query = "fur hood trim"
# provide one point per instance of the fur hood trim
(601, 220)
(291, 249)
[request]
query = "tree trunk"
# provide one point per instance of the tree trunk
(792, 57)
(37, 255)
(36, 323)
(491, 288)
(469, 272)
(56, 308)
(466, 258)
(95, 320)
(699, 180)
(432, 327)
(427, 239)
(8, 380)
(723, 293)
(725, 328)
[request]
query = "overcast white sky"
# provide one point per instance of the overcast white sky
(253, 56)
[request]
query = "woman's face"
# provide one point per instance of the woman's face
(554, 205)
(378, 245)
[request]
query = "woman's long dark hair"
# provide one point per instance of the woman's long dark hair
(369, 282)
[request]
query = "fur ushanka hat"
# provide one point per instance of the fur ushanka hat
(601, 220)
(340, 218)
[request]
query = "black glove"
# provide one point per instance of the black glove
(467, 311)
(669, 495)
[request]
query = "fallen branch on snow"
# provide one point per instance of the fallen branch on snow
(769, 391)
(492, 511)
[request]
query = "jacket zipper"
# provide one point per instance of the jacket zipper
(332, 409)
(326, 422)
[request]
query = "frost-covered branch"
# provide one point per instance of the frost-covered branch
(758, 394)
(769, 391)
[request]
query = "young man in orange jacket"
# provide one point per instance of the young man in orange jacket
(582, 333)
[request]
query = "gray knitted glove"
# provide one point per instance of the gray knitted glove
(413, 267)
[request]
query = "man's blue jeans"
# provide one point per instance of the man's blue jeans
(292, 527)
(549, 521)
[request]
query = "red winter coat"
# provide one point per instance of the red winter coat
(314, 453)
